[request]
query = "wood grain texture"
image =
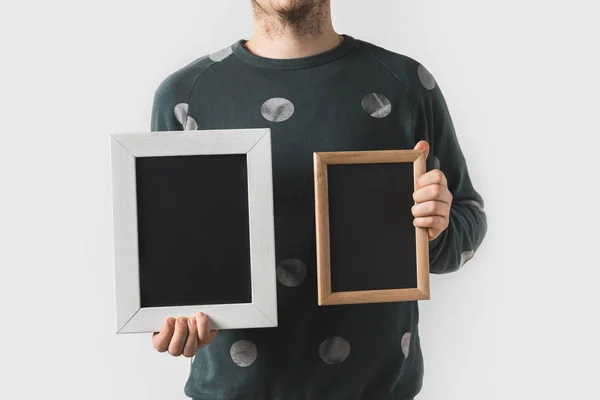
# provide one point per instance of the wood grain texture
(322, 229)
(375, 296)
(422, 236)
(370, 157)
(325, 295)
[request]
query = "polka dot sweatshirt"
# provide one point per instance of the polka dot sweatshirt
(357, 96)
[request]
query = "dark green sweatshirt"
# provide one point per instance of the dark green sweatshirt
(357, 96)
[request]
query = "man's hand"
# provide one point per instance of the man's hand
(433, 199)
(184, 335)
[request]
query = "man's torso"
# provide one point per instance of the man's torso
(347, 99)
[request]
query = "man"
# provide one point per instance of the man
(319, 91)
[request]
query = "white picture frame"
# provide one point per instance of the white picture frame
(256, 145)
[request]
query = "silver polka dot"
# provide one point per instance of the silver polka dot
(405, 344)
(334, 350)
(191, 124)
(466, 256)
(475, 204)
(436, 163)
(243, 353)
(291, 272)
(277, 109)
(376, 105)
(181, 114)
(427, 80)
(221, 54)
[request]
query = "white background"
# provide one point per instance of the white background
(520, 321)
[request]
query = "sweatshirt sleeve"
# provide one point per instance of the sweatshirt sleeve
(170, 108)
(468, 221)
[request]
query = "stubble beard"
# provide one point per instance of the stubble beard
(299, 17)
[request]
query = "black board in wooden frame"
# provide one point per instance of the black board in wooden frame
(368, 249)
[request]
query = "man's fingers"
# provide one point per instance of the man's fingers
(161, 340)
(433, 192)
(203, 324)
(211, 335)
(191, 344)
(431, 208)
(179, 337)
(423, 145)
(435, 176)
(436, 223)
(205, 334)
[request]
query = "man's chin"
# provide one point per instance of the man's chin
(294, 12)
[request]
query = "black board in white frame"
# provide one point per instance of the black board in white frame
(176, 192)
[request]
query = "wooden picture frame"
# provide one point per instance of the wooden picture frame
(326, 161)
(128, 150)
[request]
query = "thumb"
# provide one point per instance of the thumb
(423, 145)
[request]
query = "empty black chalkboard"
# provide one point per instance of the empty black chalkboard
(368, 249)
(193, 230)
(372, 238)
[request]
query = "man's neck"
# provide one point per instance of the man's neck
(282, 43)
